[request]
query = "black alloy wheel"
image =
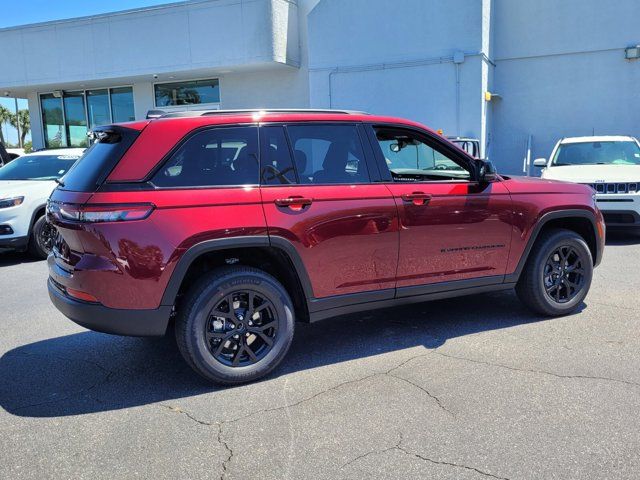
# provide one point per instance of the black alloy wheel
(241, 328)
(557, 273)
(564, 274)
(42, 237)
(235, 324)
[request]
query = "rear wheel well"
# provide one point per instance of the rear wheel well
(581, 225)
(272, 260)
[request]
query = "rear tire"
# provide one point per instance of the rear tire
(558, 273)
(236, 325)
(41, 238)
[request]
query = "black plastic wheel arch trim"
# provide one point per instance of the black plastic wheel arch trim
(189, 256)
(544, 219)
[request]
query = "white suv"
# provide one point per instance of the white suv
(610, 164)
(25, 185)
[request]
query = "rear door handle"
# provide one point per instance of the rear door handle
(294, 202)
(417, 198)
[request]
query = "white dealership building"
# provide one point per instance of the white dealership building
(555, 67)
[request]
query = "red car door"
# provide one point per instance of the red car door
(343, 227)
(451, 227)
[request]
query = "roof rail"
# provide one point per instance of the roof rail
(201, 113)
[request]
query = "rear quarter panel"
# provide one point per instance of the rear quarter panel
(129, 264)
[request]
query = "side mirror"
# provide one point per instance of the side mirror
(488, 172)
(540, 162)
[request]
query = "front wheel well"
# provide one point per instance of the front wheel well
(272, 260)
(40, 211)
(580, 225)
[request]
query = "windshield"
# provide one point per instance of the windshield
(38, 167)
(597, 153)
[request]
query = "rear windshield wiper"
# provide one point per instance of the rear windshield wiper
(59, 182)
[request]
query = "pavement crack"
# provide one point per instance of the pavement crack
(429, 394)
(186, 414)
(541, 372)
(398, 446)
(228, 449)
(107, 376)
(374, 452)
(219, 436)
(449, 464)
(303, 400)
(409, 360)
(343, 384)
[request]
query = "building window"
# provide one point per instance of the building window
(53, 121)
(192, 92)
(66, 118)
(98, 107)
(122, 105)
(75, 119)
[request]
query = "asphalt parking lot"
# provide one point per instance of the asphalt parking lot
(464, 389)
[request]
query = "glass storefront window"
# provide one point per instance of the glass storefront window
(66, 119)
(53, 122)
(187, 93)
(75, 118)
(122, 105)
(98, 107)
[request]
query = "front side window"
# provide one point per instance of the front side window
(213, 157)
(187, 93)
(328, 154)
(597, 153)
(410, 158)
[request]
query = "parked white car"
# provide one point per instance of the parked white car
(610, 164)
(25, 185)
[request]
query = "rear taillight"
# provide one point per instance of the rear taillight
(100, 213)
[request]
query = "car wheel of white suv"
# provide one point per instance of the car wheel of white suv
(41, 238)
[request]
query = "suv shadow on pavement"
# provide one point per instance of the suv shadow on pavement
(9, 258)
(91, 372)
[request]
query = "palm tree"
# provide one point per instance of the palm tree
(5, 117)
(25, 123)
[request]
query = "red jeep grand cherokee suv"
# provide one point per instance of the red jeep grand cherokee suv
(233, 225)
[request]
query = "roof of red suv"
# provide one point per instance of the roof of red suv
(160, 135)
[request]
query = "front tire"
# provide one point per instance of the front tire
(557, 275)
(41, 238)
(236, 325)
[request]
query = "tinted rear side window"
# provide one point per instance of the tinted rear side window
(275, 160)
(99, 159)
(213, 157)
(328, 154)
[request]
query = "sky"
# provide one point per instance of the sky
(21, 12)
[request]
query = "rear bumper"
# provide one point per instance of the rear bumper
(94, 316)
